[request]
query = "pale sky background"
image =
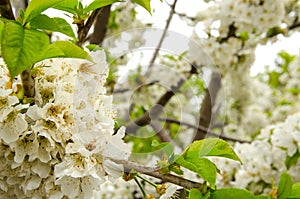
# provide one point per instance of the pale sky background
(265, 55)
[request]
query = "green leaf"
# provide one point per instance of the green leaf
(211, 147)
(21, 48)
(274, 79)
(295, 191)
(69, 6)
(55, 24)
(1, 29)
(144, 3)
(36, 7)
(99, 4)
(93, 47)
(166, 147)
(244, 35)
(176, 169)
(285, 186)
(290, 161)
(231, 193)
(202, 166)
(195, 194)
(64, 49)
(261, 197)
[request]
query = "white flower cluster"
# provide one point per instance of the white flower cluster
(253, 15)
(227, 33)
(255, 104)
(230, 33)
(63, 142)
(264, 159)
(124, 20)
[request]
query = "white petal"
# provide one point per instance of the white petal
(33, 183)
(8, 134)
(113, 169)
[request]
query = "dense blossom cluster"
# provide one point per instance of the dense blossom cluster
(230, 32)
(62, 144)
(265, 158)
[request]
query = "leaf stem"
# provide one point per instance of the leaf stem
(141, 187)
(146, 180)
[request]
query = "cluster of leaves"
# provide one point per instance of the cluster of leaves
(25, 41)
(195, 159)
(284, 59)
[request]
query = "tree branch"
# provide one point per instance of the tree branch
(84, 29)
(202, 129)
(208, 104)
(100, 26)
(156, 110)
(154, 172)
(6, 9)
(163, 136)
(172, 11)
(294, 25)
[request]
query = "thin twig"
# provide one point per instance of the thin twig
(202, 129)
(154, 172)
(172, 11)
(163, 136)
(83, 30)
(294, 25)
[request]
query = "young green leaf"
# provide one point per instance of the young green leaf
(292, 160)
(195, 194)
(21, 48)
(55, 24)
(295, 191)
(64, 49)
(69, 6)
(1, 30)
(166, 147)
(144, 3)
(93, 47)
(99, 4)
(211, 147)
(202, 166)
(285, 186)
(261, 197)
(36, 7)
(231, 193)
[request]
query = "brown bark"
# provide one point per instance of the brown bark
(100, 26)
(208, 104)
(6, 9)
